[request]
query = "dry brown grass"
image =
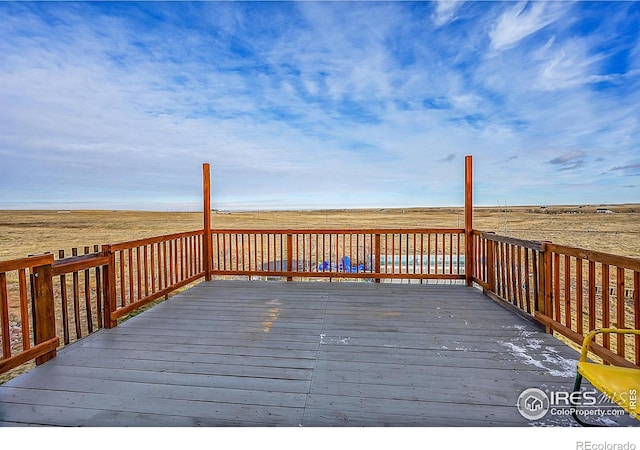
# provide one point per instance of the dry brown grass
(32, 232)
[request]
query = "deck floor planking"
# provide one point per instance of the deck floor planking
(248, 353)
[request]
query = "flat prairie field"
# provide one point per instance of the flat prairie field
(615, 229)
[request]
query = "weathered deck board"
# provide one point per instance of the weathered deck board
(287, 354)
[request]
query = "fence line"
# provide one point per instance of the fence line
(373, 254)
(569, 290)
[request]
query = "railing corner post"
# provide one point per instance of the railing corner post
(109, 281)
(206, 241)
(468, 220)
(43, 309)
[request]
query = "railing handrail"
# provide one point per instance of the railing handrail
(72, 264)
(403, 230)
(625, 262)
(526, 243)
(153, 240)
(28, 262)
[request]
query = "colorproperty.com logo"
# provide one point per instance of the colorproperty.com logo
(534, 404)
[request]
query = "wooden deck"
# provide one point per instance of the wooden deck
(248, 353)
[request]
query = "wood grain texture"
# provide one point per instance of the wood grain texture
(247, 353)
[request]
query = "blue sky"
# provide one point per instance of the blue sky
(318, 104)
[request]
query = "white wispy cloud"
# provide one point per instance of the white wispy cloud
(525, 19)
(315, 104)
(445, 11)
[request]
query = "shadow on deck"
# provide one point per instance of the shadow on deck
(247, 353)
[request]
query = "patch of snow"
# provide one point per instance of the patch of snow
(339, 340)
(529, 349)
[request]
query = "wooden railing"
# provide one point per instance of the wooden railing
(148, 269)
(77, 295)
(569, 290)
(35, 303)
(78, 286)
(373, 254)
(508, 268)
(587, 290)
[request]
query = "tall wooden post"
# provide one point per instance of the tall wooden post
(206, 240)
(468, 219)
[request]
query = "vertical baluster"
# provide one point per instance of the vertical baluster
(527, 283)
(138, 274)
(458, 257)
(87, 295)
(393, 253)
(377, 258)
(511, 274)
(76, 298)
(450, 253)
(406, 238)
(166, 263)
(605, 303)
(185, 257)
(519, 283)
(171, 263)
(444, 252)
(255, 251)
(429, 254)
(592, 295)
(556, 287)
(145, 268)
(176, 259)
(65, 305)
(4, 317)
(620, 309)
(439, 264)
(248, 251)
(501, 267)
(579, 297)
(152, 263)
(491, 265)
(269, 252)
(24, 309)
(98, 274)
(160, 265)
(567, 291)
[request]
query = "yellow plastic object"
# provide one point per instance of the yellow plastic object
(620, 384)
